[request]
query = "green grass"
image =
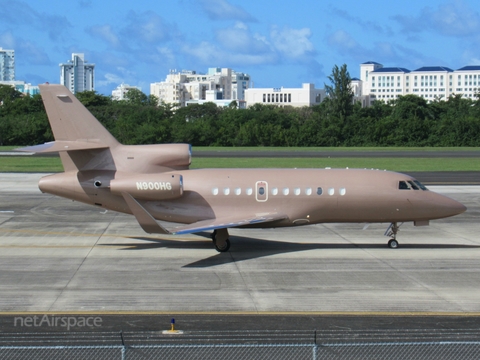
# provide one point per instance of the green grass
(335, 149)
(320, 149)
(52, 164)
(30, 164)
(394, 164)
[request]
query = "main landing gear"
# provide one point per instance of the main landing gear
(392, 231)
(220, 240)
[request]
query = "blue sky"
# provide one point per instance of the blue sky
(279, 43)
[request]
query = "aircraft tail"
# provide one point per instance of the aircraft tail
(70, 120)
(79, 136)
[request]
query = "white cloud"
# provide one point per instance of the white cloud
(105, 32)
(343, 41)
(147, 27)
(240, 39)
(20, 13)
(455, 18)
(122, 76)
(294, 43)
(223, 10)
(7, 40)
(209, 54)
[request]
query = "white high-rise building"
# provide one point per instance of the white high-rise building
(430, 82)
(187, 87)
(7, 65)
(77, 75)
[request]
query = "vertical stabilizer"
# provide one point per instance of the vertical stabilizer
(70, 120)
(79, 137)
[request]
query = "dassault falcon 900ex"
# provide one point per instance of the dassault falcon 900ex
(154, 182)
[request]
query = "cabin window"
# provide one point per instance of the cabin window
(249, 191)
(286, 191)
(342, 191)
(319, 191)
(274, 191)
(308, 191)
(402, 185)
(226, 191)
(296, 191)
(331, 191)
(238, 191)
(215, 191)
(414, 186)
(261, 190)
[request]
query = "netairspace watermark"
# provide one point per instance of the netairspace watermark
(58, 321)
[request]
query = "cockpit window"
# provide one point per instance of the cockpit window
(413, 185)
(402, 185)
(420, 185)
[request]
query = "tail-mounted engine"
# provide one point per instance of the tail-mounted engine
(149, 186)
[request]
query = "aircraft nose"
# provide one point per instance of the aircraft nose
(449, 207)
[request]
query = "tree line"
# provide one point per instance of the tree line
(337, 121)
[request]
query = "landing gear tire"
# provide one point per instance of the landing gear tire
(224, 248)
(214, 234)
(393, 244)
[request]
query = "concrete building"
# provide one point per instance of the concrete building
(190, 87)
(307, 95)
(121, 90)
(430, 82)
(77, 75)
(22, 87)
(7, 65)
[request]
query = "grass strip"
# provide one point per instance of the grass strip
(53, 164)
(393, 164)
(300, 149)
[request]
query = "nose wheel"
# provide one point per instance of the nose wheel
(393, 244)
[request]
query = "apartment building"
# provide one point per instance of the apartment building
(430, 82)
(77, 75)
(7, 65)
(188, 87)
(121, 90)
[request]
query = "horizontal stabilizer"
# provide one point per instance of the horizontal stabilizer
(57, 146)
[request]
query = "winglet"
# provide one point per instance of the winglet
(144, 218)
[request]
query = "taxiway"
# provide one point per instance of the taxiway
(62, 256)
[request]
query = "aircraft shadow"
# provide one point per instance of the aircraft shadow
(246, 248)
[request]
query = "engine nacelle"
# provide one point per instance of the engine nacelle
(150, 186)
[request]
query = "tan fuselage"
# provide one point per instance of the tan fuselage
(305, 196)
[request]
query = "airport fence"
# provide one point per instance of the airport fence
(191, 346)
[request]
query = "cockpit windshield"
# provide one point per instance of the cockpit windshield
(420, 185)
(411, 185)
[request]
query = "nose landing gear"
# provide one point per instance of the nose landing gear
(392, 231)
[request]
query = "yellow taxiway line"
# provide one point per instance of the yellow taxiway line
(264, 313)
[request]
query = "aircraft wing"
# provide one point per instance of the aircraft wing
(150, 225)
(227, 222)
